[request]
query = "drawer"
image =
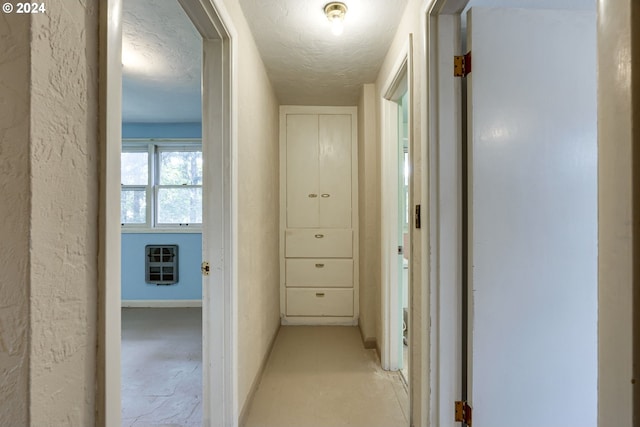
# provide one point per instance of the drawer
(319, 302)
(318, 272)
(318, 243)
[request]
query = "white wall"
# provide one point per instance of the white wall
(618, 142)
(369, 209)
(14, 211)
(258, 209)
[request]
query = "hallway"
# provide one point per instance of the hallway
(323, 376)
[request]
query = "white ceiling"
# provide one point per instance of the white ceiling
(162, 56)
(306, 63)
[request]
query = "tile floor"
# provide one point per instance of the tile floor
(161, 367)
(322, 376)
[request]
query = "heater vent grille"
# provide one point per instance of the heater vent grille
(161, 264)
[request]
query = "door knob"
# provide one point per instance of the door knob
(313, 196)
(325, 195)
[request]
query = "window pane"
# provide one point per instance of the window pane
(180, 205)
(133, 206)
(180, 167)
(134, 168)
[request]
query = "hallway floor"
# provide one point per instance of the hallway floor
(161, 367)
(322, 376)
(316, 376)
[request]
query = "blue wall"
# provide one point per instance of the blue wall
(189, 286)
(161, 130)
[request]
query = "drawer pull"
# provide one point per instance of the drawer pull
(325, 195)
(319, 236)
(319, 265)
(320, 294)
(313, 196)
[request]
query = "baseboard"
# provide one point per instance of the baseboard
(161, 303)
(318, 321)
(369, 342)
(242, 418)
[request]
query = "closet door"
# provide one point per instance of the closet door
(302, 171)
(335, 170)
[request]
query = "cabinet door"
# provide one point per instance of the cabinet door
(334, 141)
(302, 170)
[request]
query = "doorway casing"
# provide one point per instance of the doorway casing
(220, 407)
(443, 101)
(398, 83)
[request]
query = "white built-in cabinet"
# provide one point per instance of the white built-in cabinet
(318, 215)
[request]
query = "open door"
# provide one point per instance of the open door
(532, 218)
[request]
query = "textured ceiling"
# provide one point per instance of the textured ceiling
(306, 63)
(162, 56)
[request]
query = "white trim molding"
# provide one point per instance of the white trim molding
(161, 303)
(400, 78)
(219, 229)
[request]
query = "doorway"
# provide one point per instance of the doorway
(462, 365)
(396, 218)
(219, 229)
(161, 216)
(404, 249)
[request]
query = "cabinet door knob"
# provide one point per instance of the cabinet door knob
(320, 294)
(319, 236)
(319, 265)
(325, 195)
(313, 196)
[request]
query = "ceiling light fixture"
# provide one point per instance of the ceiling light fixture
(335, 12)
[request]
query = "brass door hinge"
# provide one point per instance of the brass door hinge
(463, 412)
(462, 65)
(204, 267)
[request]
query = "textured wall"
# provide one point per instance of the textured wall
(14, 211)
(258, 209)
(369, 208)
(64, 214)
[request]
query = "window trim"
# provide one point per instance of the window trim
(153, 147)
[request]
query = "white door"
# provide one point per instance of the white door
(532, 218)
(302, 170)
(334, 151)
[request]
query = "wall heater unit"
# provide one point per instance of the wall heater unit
(161, 264)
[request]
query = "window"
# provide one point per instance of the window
(161, 184)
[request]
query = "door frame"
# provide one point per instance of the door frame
(445, 136)
(212, 20)
(402, 74)
(443, 100)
